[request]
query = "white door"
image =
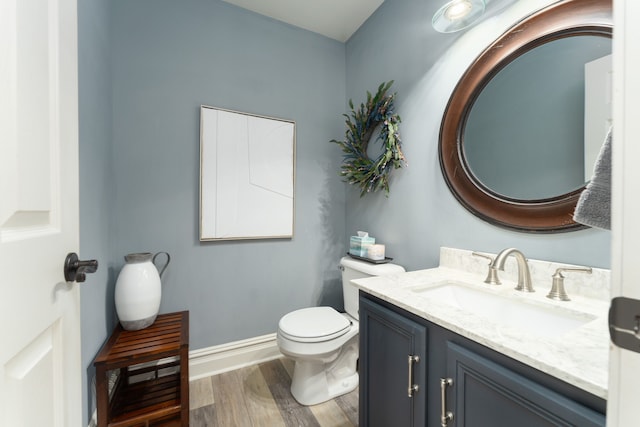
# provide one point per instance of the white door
(40, 373)
(597, 109)
(624, 379)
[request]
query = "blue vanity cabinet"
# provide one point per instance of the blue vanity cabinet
(488, 388)
(387, 342)
(484, 393)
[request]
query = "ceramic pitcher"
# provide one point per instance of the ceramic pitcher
(139, 290)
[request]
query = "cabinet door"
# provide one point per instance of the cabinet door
(485, 393)
(387, 340)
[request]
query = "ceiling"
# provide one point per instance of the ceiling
(336, 19)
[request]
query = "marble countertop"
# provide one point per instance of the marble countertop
(579, 357)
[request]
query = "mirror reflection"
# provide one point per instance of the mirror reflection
(524, 137)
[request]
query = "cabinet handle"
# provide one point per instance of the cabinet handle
(446, 415)
(412, 388)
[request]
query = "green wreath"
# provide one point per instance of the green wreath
(357, 168)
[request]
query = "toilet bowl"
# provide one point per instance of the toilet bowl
(324, 343)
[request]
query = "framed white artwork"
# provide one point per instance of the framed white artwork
(247, 176)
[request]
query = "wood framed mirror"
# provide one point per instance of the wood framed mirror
(549, 210)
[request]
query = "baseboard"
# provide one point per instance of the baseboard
(209, 361)
(214, 360)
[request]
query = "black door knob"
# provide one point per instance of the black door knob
(76, 270)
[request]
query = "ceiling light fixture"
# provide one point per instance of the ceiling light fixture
(457, 15)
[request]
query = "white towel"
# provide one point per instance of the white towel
(594, 205)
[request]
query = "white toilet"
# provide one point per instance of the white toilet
(324, 343)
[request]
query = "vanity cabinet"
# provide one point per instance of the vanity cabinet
(485, 393)
(486, 388)
(393, 360)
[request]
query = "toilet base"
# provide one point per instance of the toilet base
(316, 382)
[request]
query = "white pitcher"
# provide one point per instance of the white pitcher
(139, 290)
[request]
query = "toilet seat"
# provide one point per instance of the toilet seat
(314, 324)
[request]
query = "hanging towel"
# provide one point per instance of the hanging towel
(594, 206)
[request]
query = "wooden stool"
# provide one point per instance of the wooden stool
(146, 394)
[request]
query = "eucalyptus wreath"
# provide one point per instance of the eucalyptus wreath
(357, 168)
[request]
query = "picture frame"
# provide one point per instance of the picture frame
(247, 176)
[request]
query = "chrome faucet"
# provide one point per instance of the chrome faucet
(524, 275)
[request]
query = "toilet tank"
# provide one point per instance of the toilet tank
(354, 269)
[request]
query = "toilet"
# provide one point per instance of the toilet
(324, 343)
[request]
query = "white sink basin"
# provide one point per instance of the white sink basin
(542, 320)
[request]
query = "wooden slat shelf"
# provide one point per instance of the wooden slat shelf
(155, 394)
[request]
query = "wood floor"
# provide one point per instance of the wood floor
(260, 396)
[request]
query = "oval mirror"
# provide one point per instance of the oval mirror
(512, 139)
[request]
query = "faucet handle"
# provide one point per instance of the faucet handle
(492, 274)
(557, 291)
(481, 255)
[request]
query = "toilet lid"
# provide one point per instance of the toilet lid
(314, 324)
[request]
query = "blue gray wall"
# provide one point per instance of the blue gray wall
(421, 214)
(96, 183)
(145, 69)
(168, 59)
